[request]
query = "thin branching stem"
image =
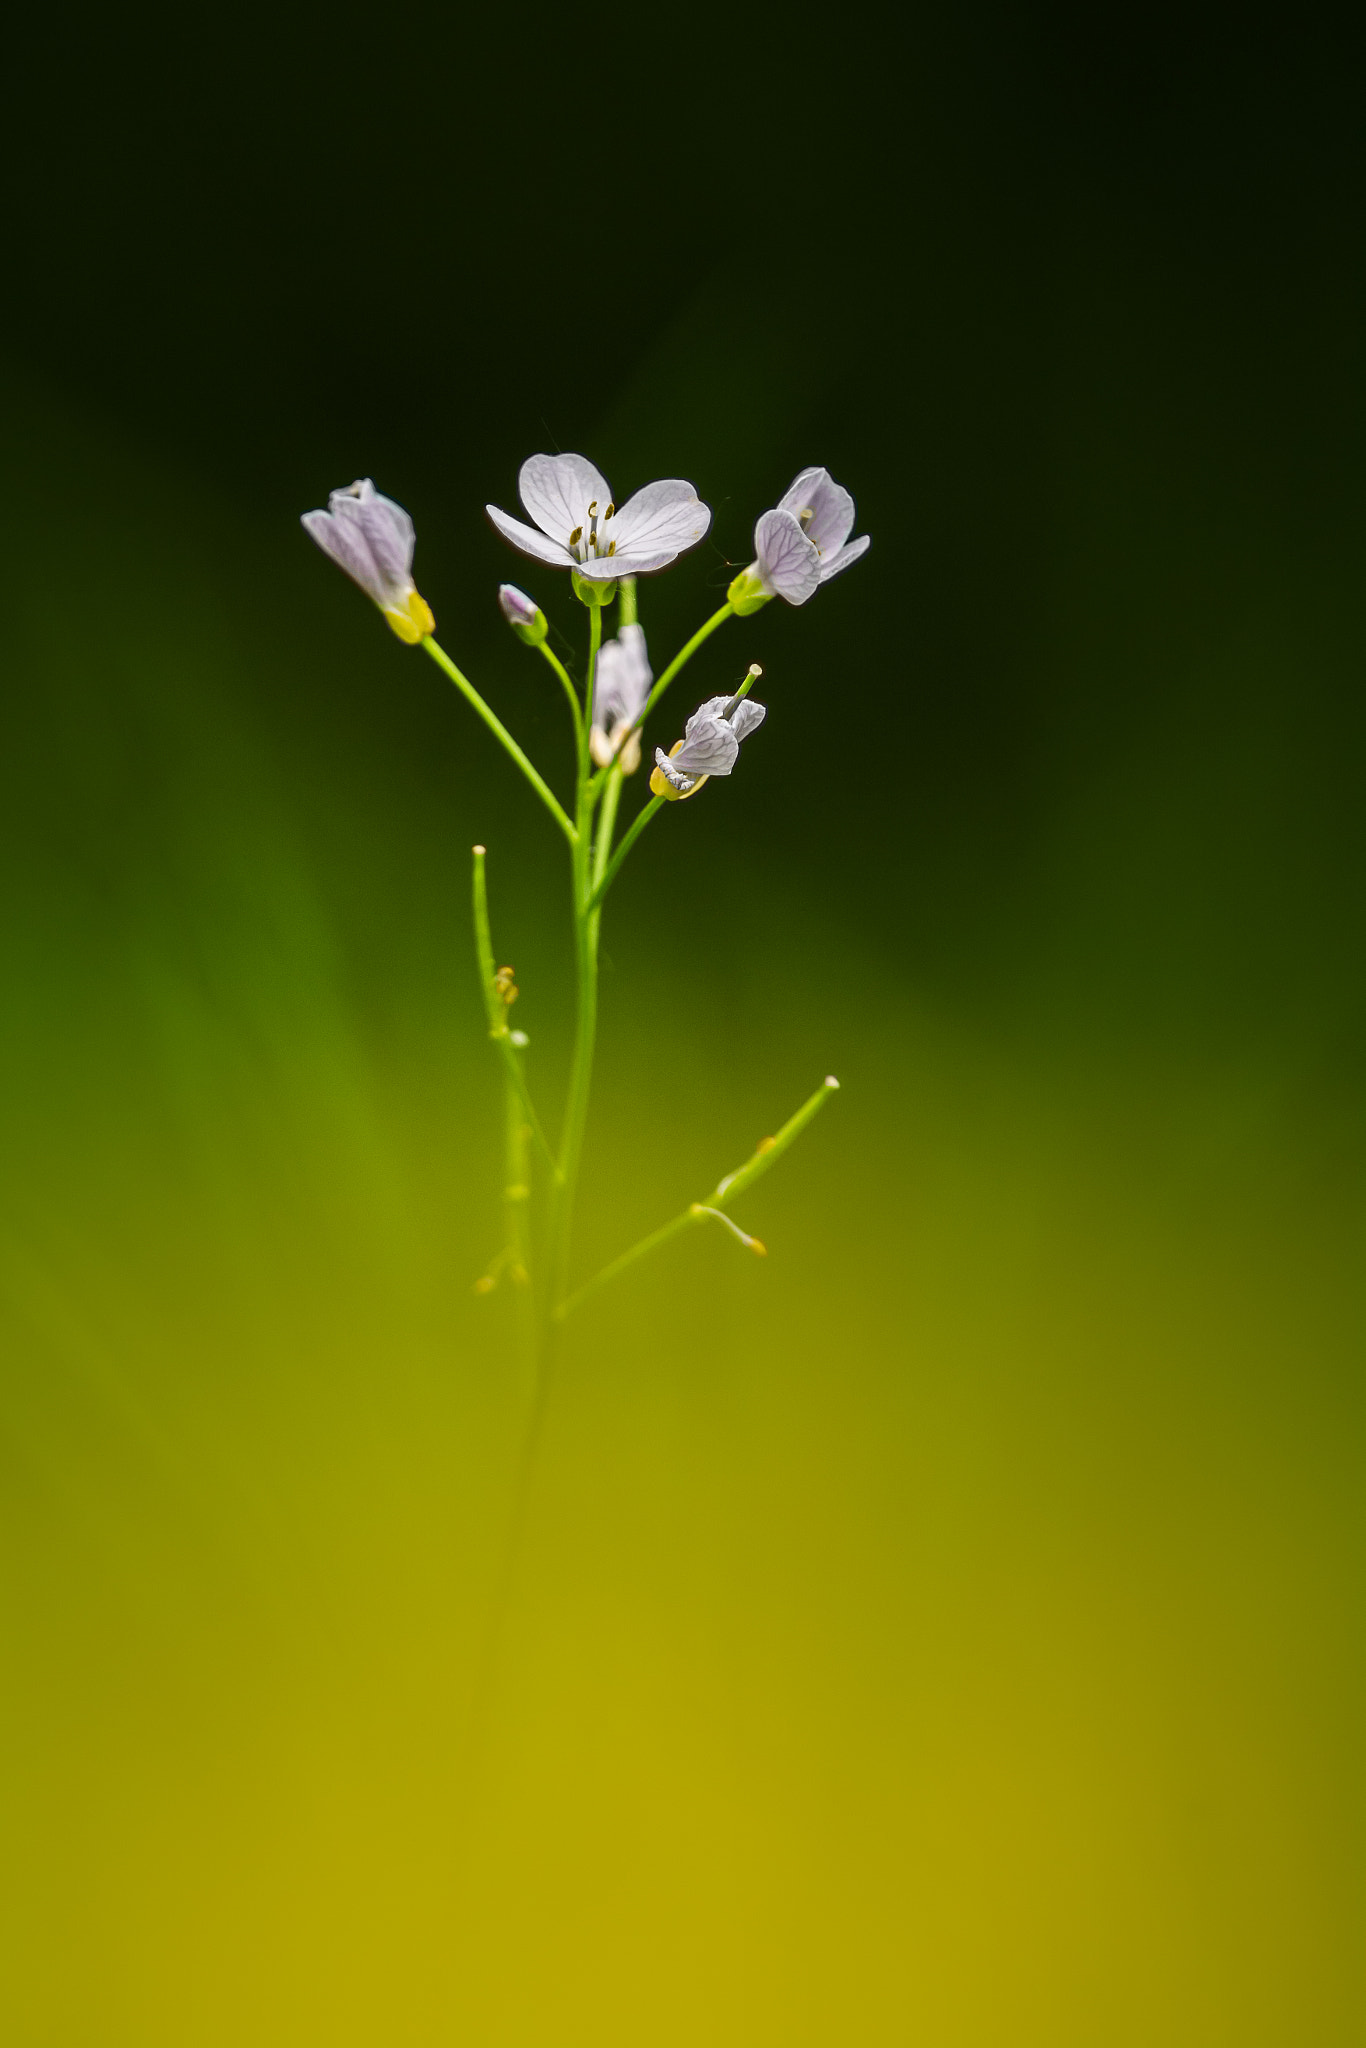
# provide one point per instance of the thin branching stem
(502, 735)
(496, 1012)
(709, 1208)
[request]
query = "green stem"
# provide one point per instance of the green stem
(501, 733)
(517, 1216)
(709, 1208)
(684, 655)
(496, 1011)
(606, 874)
(586, 1021)
(570, 692)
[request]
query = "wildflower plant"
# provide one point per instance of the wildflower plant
(578, 526)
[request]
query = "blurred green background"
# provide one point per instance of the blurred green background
(947, 1632)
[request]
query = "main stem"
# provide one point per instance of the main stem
(586, 923)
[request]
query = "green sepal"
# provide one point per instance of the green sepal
(535, 632)
(590, 593)
(747, 594)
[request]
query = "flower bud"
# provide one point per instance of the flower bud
(525, 617)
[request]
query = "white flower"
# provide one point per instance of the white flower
(581, 528)
(801, 544)
(621, 686)
(372, 539)
(710, 745)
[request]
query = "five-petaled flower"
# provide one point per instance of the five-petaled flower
(582, 528)
(710, 746)
(372, 539)
(620, 689)
(801, 544)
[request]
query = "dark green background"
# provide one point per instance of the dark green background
(948, 1631)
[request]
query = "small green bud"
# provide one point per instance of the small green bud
(525, 617)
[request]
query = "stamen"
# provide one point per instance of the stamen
(610, 513)
(575, 536)
(611, 547)
(593, 526)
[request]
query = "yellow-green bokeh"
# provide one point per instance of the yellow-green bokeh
(942, 1631)
(946, 1632)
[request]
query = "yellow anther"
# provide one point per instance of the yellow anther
(576, 536)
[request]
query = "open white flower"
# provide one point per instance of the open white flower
(801, 544)
(621, 686)
(582, 528)
(372, 538)
(710, 745)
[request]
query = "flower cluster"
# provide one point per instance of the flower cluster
(576, 524)
(798, 545)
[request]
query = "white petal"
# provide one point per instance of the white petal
(345, 544)
(842, 557)
(829, 505)
(747, 718)
(712, 750)
(528, 540)
(624, 563)
(389, 530)
(557, 491)
(623, 678)
(704, 715)
(788, 563)
(663, 518)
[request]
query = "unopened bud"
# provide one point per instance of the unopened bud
(525, 617)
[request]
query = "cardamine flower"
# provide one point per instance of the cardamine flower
(800, 544)
(372, 538)
(710, 746)
(582, 528)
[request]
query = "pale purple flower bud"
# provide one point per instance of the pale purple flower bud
(517, 608)
(525, 617)
(582, 528)
(372, 539)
